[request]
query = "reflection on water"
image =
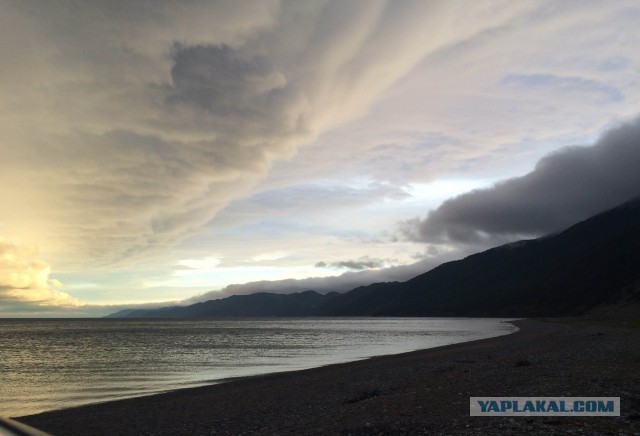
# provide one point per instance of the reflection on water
(51, 364)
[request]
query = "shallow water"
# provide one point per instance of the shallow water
(51, 364)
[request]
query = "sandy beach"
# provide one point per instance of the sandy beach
(422, 392)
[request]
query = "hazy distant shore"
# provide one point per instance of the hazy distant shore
(413, 393)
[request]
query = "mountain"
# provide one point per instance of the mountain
(121, 313)
(595, 262)
(260, 304)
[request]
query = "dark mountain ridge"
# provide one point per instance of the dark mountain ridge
(595, 262)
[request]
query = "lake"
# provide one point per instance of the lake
(48, 364)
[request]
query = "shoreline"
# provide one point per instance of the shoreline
(216, 382)
(322, 344)
(409, 393)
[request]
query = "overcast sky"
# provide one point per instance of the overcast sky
(155, 152)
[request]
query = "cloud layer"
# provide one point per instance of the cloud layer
(565, 187)
(131, 126)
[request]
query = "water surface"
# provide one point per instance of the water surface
(50, 364)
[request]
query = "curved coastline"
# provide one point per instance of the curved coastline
(409, 393)
(122, 358)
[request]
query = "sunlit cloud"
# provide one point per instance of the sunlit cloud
(24, 278)
(270, 256)
(198, 264)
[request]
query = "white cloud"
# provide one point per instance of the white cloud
(206, 263)
(26, 279)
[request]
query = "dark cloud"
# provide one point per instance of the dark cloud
(564, 188)
(357, 265)
(224, 81)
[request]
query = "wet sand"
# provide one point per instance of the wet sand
(422, 392)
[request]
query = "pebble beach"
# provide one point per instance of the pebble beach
(421, 392)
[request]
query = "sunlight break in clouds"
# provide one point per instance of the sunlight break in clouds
(24, 278)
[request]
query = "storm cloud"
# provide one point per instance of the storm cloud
(565, 187)
(152, 119)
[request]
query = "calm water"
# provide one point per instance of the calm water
(53, 364)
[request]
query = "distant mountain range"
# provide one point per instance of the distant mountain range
(595, 262)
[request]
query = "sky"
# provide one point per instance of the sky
(156, 153)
